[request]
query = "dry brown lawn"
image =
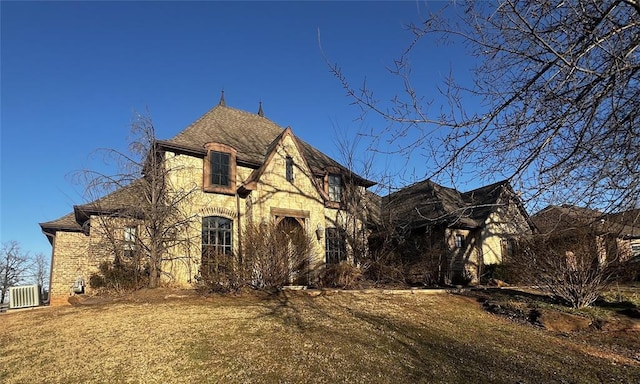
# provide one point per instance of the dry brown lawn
(298, 338)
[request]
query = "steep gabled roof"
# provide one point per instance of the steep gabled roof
(428, 203)
(251, 135)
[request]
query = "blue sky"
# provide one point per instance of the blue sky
(72, 73)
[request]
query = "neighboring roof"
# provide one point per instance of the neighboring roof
(428, 203)
(569, 217)
(629, 221)
(554, 218)
(250, 134)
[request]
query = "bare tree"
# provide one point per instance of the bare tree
(557, 84)
(574, 266)
(40, 269)
(141, 196)
(14, 267)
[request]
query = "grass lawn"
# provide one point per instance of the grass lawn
(297, 338)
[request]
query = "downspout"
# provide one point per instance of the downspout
(238, 230)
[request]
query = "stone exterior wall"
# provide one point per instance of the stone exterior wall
(505, 222)
(69, 261)
(272, 199)
(465, 260)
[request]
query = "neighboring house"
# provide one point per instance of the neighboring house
(615, 234)
(245, 169)
(448, 236)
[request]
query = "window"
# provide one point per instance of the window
(336, 246)
(508, 248)
(220, 169)
(216, 235)
(635, 249)
(129, 241)
(459, 241)
(289, 169)
(335, 188)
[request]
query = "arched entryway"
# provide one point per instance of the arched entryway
(296, 244)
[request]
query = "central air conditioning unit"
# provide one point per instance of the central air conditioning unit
(24, 296)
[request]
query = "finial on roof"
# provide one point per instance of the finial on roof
(260, 111)
(222, 102)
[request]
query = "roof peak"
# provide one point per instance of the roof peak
(260, 110)
(222, 101)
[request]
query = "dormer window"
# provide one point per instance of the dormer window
(219, 173)
(220, 169)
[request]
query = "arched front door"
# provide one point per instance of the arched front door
(297, 245)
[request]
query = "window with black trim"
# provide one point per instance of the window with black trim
(335, 187)
(289, 169)
(459, 240)
(217, 235)
(220, 170)
(336, 245)
(129, 241)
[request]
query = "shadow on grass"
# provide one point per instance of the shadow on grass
(416, 350)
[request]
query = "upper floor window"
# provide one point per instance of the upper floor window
(129, 240)
(220, 169)
(219, 173)
(459, 241)
(289, 169)
(335, 187)
(336, 245)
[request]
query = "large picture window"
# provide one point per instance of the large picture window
(336, 246)
(217, 235)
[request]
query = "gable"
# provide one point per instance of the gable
(272, 176)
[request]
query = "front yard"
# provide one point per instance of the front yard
(293, 337)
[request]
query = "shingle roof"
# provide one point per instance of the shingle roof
(569, 217)
(67, 222)
(124, 198)
(428, 203)
(250, 134)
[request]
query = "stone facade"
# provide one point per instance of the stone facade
(273, 177)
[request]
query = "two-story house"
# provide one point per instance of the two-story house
(240, 168)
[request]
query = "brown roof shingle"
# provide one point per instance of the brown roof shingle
(251, 135)
(428, 203)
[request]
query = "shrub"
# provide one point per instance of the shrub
(343, 275)
(576, 266)
(274, 255)
(119, 276)
(219, 272)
